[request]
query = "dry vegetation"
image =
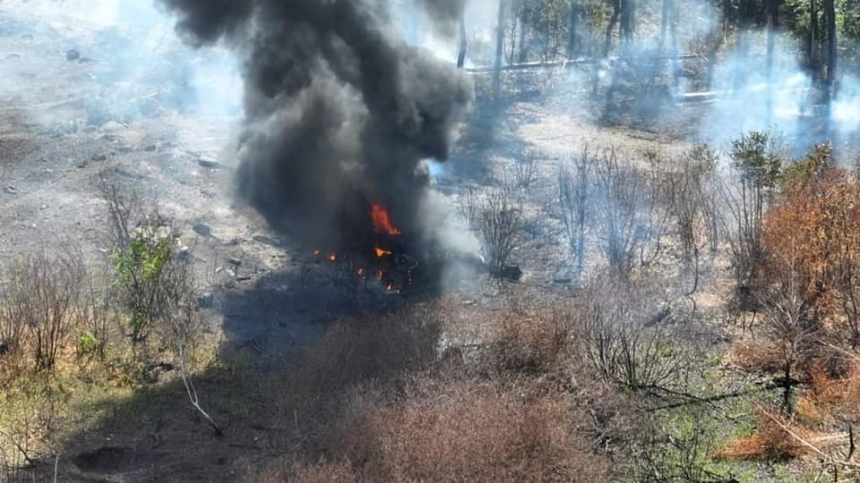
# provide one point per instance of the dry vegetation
(609, 379)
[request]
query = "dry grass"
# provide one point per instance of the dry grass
(831, 399)
(775, 439)
(761, 355)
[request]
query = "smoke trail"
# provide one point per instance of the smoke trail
(339, 111)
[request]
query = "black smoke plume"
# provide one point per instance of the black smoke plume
(340, 112)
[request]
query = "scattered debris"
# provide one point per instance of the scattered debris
(11, 189)
(150, 148)
(564, 276)
(153, 372)
(72, 55)
(126, 171)
(99, 157)
(243, 278)
(511, 272)
(234, 261)
(208, 163)
(4, 347)
(184, 253)
(267, 240)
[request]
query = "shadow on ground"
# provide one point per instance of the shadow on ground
(294, 342)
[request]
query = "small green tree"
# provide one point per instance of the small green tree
(756, 160)
(141, 271)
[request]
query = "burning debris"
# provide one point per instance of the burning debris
(340, 114)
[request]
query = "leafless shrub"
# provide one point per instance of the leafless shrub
(573, 187)
(39, 303)
(622, 336)
(94, 315)
(498, 218)
(524, 172)
(790, 321)
(123, 211)
(654, 223)
(691, 201)
(531, 342)
(702, 164)
(618, 191)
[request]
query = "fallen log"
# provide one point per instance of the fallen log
(567, 63)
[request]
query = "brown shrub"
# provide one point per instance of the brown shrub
(531, 343)
(451, 430)
(372, 401)
(775, 439)
(831, 398)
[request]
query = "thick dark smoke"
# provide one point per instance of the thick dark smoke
(340, 112)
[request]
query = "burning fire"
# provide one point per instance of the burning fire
(381, 252)
(317, 253)
(333, 257)
(381, 220)
(360, 272)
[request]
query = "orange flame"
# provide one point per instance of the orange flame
(360, 271)
(333, 257)
(317, 253)
(380, 252)
(381, 220)
(389, 287)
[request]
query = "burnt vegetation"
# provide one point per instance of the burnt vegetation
(588, 310)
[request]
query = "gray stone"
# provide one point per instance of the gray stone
(202, 230)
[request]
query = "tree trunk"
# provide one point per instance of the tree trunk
(461, 58)
(673, 39)
(524, 53)
(628, 19)
(772, 7)
(613, 20)
(664, 23)
(830, 82)
(813, 40)
(571, 30)
(500, 44)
